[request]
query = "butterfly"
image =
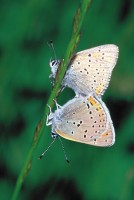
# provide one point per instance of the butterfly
(83, 119)
(89, 70)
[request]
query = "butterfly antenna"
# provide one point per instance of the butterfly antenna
(63, 150)
(47, 149)
(51, 45)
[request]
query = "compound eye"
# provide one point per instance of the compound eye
(53, 62)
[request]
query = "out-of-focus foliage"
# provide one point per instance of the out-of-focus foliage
(94, 173)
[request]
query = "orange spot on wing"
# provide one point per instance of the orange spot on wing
(105, 134)
(99, 89)
(92, 101)
(98, 107)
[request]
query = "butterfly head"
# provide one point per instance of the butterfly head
(54, 64)
(54, 135)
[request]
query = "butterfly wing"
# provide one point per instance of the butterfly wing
(85, 120)
(90, 70)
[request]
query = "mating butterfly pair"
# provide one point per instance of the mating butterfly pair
(86, 118)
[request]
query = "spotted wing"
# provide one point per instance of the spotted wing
(87, 121)
(90, 70)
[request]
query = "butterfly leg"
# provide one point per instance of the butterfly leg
(48, 121)
(49, 117)
(57, 105)
(51, 79)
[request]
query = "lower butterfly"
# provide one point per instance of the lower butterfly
(84, 119)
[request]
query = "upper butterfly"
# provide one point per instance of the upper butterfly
(89, 70)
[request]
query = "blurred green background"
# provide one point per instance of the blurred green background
(94, 173)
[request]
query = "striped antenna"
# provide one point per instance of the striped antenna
(51, 45)
(47, 149)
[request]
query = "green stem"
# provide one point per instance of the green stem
(78, 20)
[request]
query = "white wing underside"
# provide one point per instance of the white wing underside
(86, 121)
(90, 70)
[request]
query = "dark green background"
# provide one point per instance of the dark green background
(94, 173)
